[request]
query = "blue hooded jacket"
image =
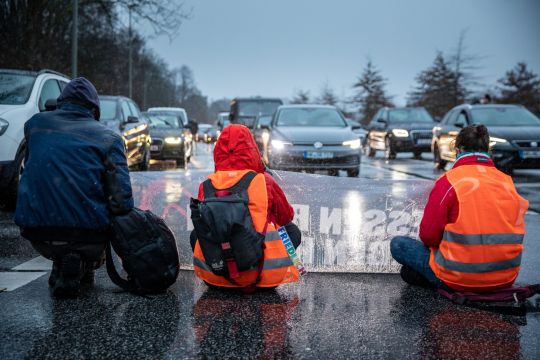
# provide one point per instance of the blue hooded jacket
(68, 157)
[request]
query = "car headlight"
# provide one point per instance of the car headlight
(3, 126)
(400, 132)
(173, 140)
(279, 144)
(354, 144)
(495, 140)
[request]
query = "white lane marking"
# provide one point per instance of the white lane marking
(37, 264)
(14, 280)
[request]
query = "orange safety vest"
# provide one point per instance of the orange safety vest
(481, 251)
(277, 267)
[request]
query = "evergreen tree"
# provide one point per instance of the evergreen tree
(521, 86)
(435, 84)
(301, 97)
(371, 94)
(327, 96)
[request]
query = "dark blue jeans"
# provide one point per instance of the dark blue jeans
(412, 253)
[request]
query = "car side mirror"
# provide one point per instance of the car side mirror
(265, 126)
(50, 105)
(381, 120)
(459, 125)
(356, 127)
(132, 120)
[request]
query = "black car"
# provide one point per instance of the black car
(171, 140)
(123, 116)
(245, 110)
(394, 130)
(203, 128)
(312, 137)
(211, 135)
(260, 130)
(514, 135)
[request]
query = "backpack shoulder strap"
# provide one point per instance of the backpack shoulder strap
(244, 182)
(113, 274)
(208, 189)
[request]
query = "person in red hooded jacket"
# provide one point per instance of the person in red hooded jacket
(236, 150)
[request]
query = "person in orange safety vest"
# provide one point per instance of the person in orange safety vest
(473, 225)
(238, 164)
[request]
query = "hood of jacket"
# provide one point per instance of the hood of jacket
(82, 92)
(236, 150)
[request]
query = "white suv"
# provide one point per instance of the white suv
(22, 94)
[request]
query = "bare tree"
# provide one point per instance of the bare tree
(465, 66)
(521, 86)
(371, 94)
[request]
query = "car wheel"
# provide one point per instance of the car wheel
(440, 164)
(389, 153)
(353, 172)
(8, 196)
(369, 150)
(417, 155)
(508, 170)
(333, 172)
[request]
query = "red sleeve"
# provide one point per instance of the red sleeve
(279, 209)
(441, 209)
(200, 196)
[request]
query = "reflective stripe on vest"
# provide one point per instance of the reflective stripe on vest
(476, 267)
(483, 239)
(277, 263)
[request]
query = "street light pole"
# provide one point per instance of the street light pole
(130, 60)
(75, 38)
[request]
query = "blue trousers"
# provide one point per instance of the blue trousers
(412, 253)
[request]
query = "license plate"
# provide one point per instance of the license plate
(318, 155)
(423, 141)
(154, 147)
(530, 154)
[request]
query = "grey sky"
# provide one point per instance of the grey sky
(271, 48)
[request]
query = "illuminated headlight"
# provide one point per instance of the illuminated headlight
(494, 141)
(3, 126)
(400, 132)
(279, 144)
(354, 144)
(173, 140)
(265, 136)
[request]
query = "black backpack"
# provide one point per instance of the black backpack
(224, 228)
(148, 251)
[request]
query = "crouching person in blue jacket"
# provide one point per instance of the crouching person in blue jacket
(75, 177)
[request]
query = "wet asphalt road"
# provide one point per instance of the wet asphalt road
(325, 315)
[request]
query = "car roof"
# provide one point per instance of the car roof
(486, 106)
(166, 109)
(256, 98)
(113, 97)
(308, 106)
(33, 73)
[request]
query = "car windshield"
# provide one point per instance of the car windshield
(204, 127)
(15, 89)
(107, 109)
(409, 116)
(165, 120)
(310, 117)
(264, 120)
(504, 116)
(255, 108)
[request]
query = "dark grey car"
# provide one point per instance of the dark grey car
(312, 137)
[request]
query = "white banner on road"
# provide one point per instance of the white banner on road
(346, 223)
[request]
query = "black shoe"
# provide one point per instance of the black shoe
(413, 277)
(55, 272)
(68, 284)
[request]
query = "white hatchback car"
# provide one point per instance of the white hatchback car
(22, 94)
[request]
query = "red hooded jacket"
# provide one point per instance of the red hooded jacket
(236, 150)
